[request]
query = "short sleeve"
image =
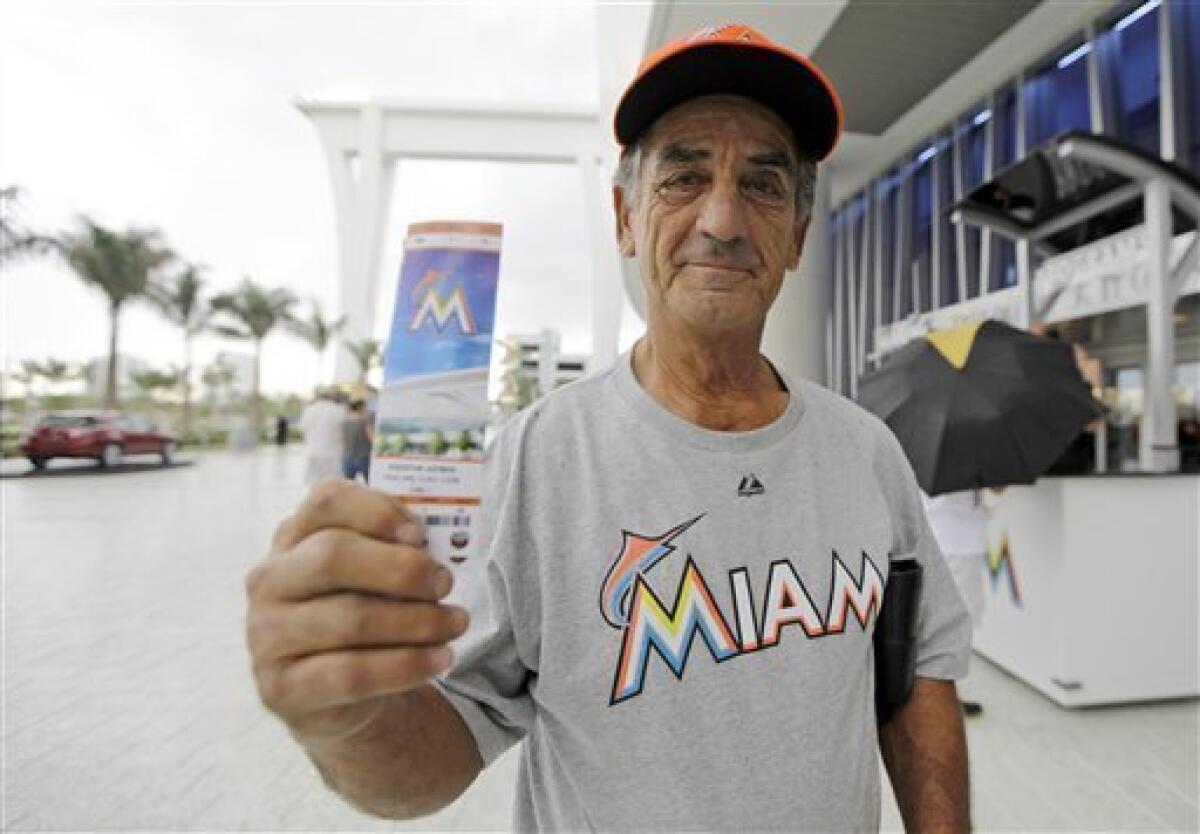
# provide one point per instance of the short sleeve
(944, 626)
(489, 682)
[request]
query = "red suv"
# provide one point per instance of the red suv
(104, 435)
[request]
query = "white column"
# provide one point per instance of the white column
(605, 261)
(362, 194)
(547, 360)
(622, 38)
(1158, 449)
(799, 332)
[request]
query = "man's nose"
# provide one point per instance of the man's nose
(723, 214)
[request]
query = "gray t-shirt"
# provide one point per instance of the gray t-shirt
(678, 621)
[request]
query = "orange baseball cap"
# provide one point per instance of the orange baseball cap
(736, 60)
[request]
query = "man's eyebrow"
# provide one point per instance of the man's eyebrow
(682, 154)
(774, 159)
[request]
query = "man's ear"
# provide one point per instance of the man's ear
(623, 209)
(799, 232)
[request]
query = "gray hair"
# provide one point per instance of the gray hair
(629, 170)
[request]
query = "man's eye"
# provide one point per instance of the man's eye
(684, 182)
(766, 187)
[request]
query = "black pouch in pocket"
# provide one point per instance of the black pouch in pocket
(895, 638)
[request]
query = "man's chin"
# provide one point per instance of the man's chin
(719, 311)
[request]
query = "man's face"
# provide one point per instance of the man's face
(713, 222)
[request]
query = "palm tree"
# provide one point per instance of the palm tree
(15, 241)
(179, 297)
(56, 371)
(252, 312)
(366, 353)
(317, 330)
(152, 380)
(120, 265)
(217, 376)
(31, 371)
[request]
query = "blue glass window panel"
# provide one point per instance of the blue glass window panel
(886, 195)
(1004, 257)
(1056, 99)
(922, 236)
(863, 276)
(1005, 274)
(947, 253)
(1190, 40)
(1005, 130)
(974, 149)
(1130, 64)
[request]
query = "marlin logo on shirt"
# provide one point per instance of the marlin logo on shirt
(628, 603)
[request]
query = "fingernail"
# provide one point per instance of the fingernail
(442, 658)
(458, 619)
(411, 534)
(443, 581)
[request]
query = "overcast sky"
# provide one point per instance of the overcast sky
(182, 117)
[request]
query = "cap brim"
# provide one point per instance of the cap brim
(779, 81)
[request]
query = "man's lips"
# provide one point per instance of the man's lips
(717, 266)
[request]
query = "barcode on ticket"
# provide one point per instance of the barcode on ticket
(447, 521)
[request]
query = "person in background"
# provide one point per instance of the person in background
(321, 424)
(1080, 457)
(281, 430)
(959, 523)
(358, 432)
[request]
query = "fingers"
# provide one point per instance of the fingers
(337, 503)
(335, 560)
(351, 621)
(329, 680)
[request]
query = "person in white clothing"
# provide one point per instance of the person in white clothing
(959, 523)
(321, 425)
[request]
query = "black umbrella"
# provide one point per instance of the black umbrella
(981, 405)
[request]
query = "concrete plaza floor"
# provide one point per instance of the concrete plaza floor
(128, 704)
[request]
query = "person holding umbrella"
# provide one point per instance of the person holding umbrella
(980, 405)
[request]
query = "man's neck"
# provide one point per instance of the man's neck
(723, 387)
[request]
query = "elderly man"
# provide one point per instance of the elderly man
(687, 552)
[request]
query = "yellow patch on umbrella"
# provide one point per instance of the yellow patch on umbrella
(955, 344)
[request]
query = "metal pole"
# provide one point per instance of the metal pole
(1097, 109)
(1168, 66)
(1025, 282)
(958, 157)
(1158, 450)
(839, 266)
(935, 230)
(864, 287)
(850, 276)
(989, 165)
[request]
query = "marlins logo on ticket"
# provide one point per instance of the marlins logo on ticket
(433, 408)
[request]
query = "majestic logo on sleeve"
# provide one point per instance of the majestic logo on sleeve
(649, 627)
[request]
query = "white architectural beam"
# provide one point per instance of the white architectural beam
(363, 141)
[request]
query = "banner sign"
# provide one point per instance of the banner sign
(1107, 275)
(433, 408)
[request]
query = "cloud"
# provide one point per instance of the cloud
(182, 117)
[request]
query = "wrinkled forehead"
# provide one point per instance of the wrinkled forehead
(705, 121)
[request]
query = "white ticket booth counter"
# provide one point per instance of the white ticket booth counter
(1092, 587)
